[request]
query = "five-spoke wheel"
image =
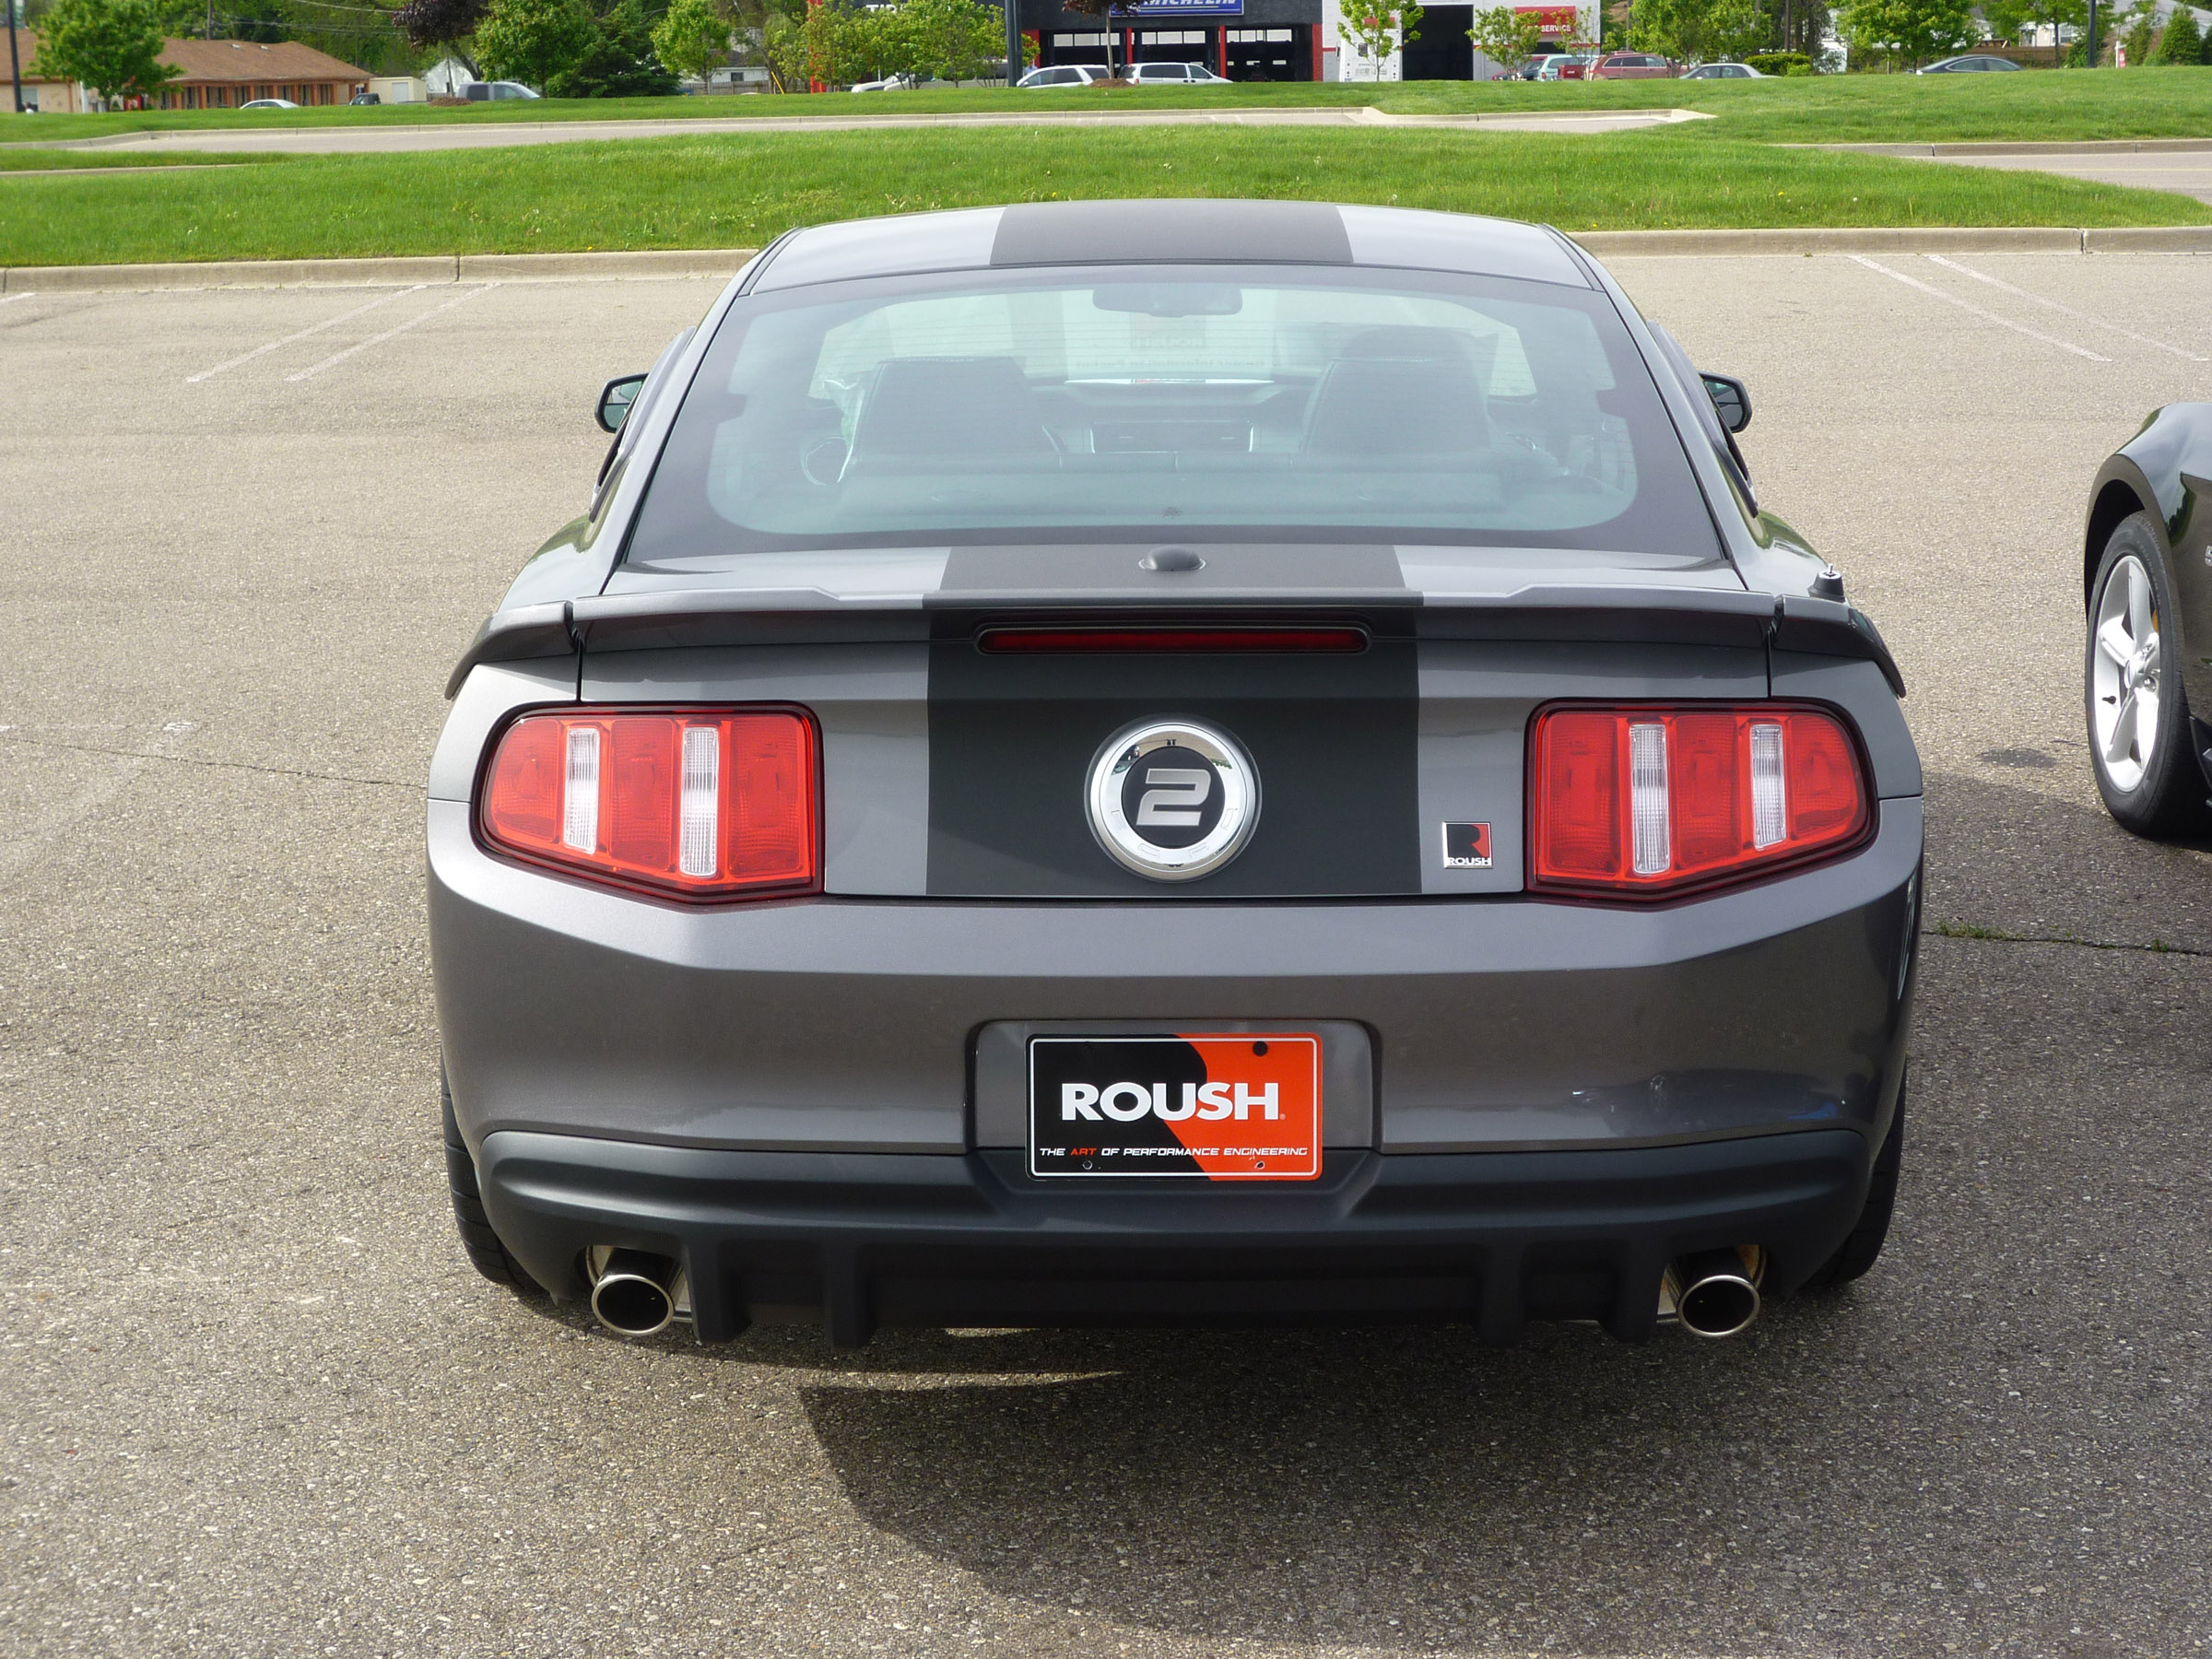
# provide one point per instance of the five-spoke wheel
(2138, 719)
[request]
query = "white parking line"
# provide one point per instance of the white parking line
(11, 298)
(1953, 264)
(1988, 316)
(332, 362)
(193, 379)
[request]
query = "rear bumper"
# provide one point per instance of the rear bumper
(857, 1241)
(852, 1026)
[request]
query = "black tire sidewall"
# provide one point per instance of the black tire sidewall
(2173, 788)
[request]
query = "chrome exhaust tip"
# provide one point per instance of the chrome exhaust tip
(1714, 1292)
(635, 1294)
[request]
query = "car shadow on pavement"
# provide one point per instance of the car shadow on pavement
(2025, 860)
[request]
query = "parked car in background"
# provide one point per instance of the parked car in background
(1722, 72)
(890, 83)
(269, 103)
(1973, 63)
(1631, 65)
(1061, 74)
(364, 98)
(2147, 583)
(1173, 74)
(497, 91)
(1565, 66)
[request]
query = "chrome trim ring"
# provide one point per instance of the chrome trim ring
(1233, 776)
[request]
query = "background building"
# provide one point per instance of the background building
(1244, 40)
(43, 93)
(221, 74)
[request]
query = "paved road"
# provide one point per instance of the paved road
(2184, 167)
(869, 115)
(252, 1402)
(2187, 172)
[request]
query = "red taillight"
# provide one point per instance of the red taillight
(1649, 802)
(689, 802)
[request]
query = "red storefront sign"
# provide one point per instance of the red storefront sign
(1550, 19)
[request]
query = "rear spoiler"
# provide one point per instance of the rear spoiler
(717, 616)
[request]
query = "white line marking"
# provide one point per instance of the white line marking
(332, 362)
(193, 379)
(11, 298)
(1990, 316)
(2066, 309)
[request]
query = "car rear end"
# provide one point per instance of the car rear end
(1113, 782)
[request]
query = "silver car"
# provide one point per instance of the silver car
(1154, 760)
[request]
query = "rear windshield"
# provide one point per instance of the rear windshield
(1248, 405)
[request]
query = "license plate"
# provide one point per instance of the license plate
(1211, 1106)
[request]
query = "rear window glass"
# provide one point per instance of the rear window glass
(1041, 407)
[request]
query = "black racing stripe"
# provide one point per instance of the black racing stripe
(1178, 232)
(1302, 573)
(1332, 739)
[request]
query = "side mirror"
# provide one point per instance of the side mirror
(617, 394)
(1730, 401)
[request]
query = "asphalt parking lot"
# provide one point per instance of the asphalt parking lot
(253, 1401)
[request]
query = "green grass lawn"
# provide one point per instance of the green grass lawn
(2037, 105)
(735, 191)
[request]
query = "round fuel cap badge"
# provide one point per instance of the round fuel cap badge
(1171, 799)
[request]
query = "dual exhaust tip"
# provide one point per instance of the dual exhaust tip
(634, 1292)
(1713, 1292)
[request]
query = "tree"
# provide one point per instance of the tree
(783, 50)
(1378, 28)
(533, 41)
(953, 39)
(1694, 31)
(2182, 42)
(620, 62)
(692, 36)
(1913, 31)
(1506, 36)
(2011, 18)
(440, 26)
(113, 46)
(2141, 30)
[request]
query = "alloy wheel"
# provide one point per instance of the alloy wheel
(2124, 675)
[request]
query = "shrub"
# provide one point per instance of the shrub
(2182, 42)
(1780, 63)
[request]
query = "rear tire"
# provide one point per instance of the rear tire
(2140, 735)
(485, 1252)
(1863, 1246)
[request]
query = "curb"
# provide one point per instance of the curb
(721, 264)
(1928, 238)
(2045, 146)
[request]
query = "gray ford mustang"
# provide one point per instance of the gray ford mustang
(1152, 761)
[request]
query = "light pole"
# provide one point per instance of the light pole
(15, 57)
(1013, 9)
(2092, 34)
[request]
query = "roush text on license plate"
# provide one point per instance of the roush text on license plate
(1217, 1106)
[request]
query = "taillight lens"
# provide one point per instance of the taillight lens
(697, 804)
(1649, 802)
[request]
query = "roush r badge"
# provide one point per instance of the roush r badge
(1171, 799)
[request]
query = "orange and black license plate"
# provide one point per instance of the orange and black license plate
(1216, 1106)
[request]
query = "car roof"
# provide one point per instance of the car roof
(1165, 232)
